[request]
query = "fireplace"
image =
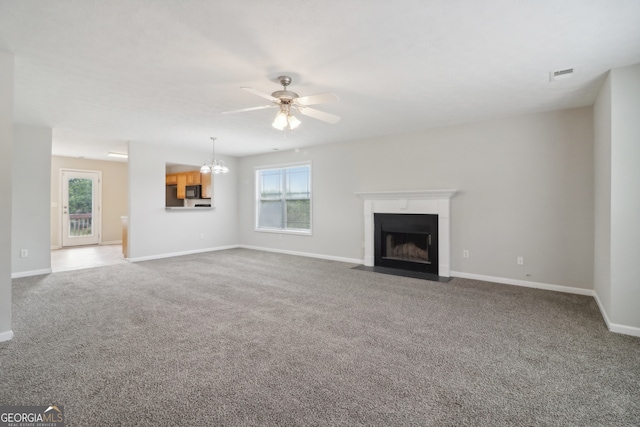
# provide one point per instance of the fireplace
(406, 241)
(433, 202)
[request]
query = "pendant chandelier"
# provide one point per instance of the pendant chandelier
(213, 165)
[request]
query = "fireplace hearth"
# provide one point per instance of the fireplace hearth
(406, 241)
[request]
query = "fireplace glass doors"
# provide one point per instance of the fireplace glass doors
(406, 241)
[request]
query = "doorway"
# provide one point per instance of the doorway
(81, 203)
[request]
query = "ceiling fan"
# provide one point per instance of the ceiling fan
(288, 102)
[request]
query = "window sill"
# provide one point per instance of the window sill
(278, 231)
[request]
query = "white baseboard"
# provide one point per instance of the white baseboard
(615, 327)
(174, 254)
(105, 243)
(624, 329)
(602, 310)
(524, 283)
(30, 273)
(257, 248)
(305, 254)
(6, 336)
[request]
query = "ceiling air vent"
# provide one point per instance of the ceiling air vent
(560, 74)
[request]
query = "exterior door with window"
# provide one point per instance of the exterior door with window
(80, 208)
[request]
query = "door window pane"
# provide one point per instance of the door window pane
(80, 207)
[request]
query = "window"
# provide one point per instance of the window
(284, 199)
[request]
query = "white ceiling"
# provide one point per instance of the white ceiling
(102, 73)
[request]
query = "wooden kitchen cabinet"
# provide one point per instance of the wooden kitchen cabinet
(207, 189)
(197, 177)
(182, 179)
(171, 179)
(182, 184)
(193, 178)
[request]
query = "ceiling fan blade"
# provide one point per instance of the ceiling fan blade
(320, 115)
(262, 94)
(249, 109)
(321, 98)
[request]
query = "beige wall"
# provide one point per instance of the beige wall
(525, 189)
(114, 195)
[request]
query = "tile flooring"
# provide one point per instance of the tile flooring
(86, 257)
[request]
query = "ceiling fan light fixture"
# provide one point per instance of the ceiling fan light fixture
(293, 122)
(289, 101)
(280, 121)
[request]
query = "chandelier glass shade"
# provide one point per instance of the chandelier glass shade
(214, 166)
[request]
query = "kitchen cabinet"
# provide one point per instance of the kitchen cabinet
(197, 177)
(182, 184)
(182, 179)
(171, 179)
(193, 178)
(207, 189)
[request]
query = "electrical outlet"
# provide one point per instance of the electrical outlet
(465, 254)
(201, 236)
(520, 260)
(24, 253)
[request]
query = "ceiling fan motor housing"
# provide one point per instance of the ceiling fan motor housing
(285, 95)
(284, 81)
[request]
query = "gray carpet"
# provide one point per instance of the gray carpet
(243, 337)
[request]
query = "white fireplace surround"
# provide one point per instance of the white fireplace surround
(435, 202)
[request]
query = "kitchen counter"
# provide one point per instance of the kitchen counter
(194, 208)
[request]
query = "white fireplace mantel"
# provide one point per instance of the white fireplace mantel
(435, 202)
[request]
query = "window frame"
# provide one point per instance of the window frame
(257, 188)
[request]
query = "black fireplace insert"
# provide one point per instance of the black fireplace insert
(406, 241)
